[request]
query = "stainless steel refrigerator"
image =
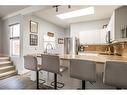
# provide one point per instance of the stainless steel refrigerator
(71, 45)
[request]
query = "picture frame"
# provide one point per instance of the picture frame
(60, 41)
(50, 34)
(33, 26)
(33, 40)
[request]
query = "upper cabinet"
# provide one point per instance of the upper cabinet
(111, 27)
(89, 37)
(91, 32)
(118, 24)
(93, 36)
(102, 37)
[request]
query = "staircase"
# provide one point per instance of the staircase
(7, 69)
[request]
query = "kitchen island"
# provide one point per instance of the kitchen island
(97, 58)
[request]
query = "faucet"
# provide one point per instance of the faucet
(48, 44)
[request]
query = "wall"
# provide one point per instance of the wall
(43, 28)
(17, 60)
(5, 32)
(120, 48)
(24, 21)
(98, 48)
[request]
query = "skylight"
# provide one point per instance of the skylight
(77, 13)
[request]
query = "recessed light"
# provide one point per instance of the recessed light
(77, 13)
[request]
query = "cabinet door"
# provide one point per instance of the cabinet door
(111, 27)
(103, 33)
(89, 37)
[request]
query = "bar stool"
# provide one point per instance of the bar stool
(84, 70)
(30, 63)
(115, 74)
(51, 63)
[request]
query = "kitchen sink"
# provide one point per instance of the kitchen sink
(89, 54)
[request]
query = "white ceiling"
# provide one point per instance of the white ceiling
(6, 10)
(49, 14)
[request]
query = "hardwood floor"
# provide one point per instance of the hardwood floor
(20, 82)
(24, 82)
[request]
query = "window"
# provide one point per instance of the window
(49, 43)
(15, 40)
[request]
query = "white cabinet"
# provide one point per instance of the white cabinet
(103, 33)
(92, 37)
(111, 27)
(116, 23)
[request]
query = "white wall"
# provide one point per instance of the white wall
(43, 28)
(86, 26)
(5, 32)
(17, 60)
(24, 21)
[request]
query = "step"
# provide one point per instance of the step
(8, 74)
(5, 63)
(4, 59)
(6, 69)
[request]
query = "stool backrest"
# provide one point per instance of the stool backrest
(30, 62)
(83, 69)
(115, 74)
(50, 63)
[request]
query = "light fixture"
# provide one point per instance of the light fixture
(57, 7)
(77, 13)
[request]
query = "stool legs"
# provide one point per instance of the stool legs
(56, 84)
(118, 88)
(83, 84)
(37, 78)
(55, 81)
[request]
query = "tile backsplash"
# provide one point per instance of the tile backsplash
(99, 48)
(120, 48)
(116, 48)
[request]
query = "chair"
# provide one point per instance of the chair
(51, 63)
(115, 74)
(84, 70)
(30, 63)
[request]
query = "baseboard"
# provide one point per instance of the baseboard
(24, 72)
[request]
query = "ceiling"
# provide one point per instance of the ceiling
(6, 10)
(49, 14)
